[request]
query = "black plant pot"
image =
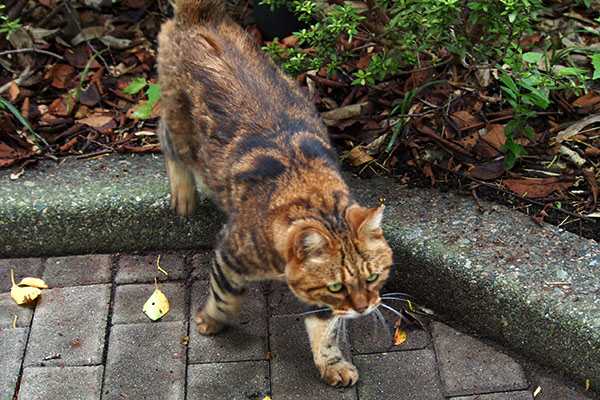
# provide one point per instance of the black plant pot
(278, 23)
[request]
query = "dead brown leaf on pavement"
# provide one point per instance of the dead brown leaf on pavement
(538, 188)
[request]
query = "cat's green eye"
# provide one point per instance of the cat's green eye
(372, 277)
(336, 287)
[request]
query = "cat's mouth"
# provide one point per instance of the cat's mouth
(353, 314)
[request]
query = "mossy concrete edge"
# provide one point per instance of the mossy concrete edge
(487, 270)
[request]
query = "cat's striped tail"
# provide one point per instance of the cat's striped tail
(195, 12)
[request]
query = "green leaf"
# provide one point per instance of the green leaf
(596, 64)
(509, 83)
(153, 93)
(142, 112)
(20, 117)
(529, 133)
(509, 129)
(135, 86)
(509, 160)
(572, 71)
(532, 57)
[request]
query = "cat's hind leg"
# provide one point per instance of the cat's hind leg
(225, 297)
(184, 196)
(334, 369)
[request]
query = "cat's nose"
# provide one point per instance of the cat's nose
(361, 309)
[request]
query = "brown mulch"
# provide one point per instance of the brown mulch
(451, 135)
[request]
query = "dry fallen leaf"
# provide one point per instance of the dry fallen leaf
(535, 188)
(156, 306)
(358, 156)
(34, 282)
(22, 295)
(399, 337)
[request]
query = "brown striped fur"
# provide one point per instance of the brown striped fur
(233, 124)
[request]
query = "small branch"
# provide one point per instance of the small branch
(30, 49)
(66, 4)
(526, 199)
(326, 82)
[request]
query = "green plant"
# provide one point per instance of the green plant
(83, 74)
(5, 104)
(528, 89)
(8, 27)
(403, 108)
(143, 111)
(595, 59)
(400, 31)
(322, 38)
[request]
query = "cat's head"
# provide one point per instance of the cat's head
(343, 269)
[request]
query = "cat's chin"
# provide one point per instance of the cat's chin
(351, 314)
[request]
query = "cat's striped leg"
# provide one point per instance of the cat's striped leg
(224, 299)
(334, 369)
(181, 177)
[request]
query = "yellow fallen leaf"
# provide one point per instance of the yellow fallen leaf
(399, 337)
(34, 282)
(537, 391)
(156, 306)
(22, 295)
(267, 398)
(587, 385)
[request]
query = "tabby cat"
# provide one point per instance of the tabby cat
(235, 125)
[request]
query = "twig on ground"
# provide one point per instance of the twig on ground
(66, 4)
(526, 199)
(31, 49)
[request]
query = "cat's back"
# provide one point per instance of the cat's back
(243, 124)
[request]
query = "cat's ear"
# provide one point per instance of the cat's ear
(366, 221)
(307, 240)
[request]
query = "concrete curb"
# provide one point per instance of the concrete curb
(492, 270)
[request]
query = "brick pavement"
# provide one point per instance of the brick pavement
(86, 338)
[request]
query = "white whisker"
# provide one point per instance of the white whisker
(396, 298)
(397, 294)
(344, 332)
(314, 311)
(331, 326)
(379, 317)
(391, 309)
(396, 312)
(384, 325)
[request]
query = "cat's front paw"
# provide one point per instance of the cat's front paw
(206, 325)
(339, 374)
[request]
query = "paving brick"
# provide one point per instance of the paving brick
(77, 270)
(201, 264)
(520, 395)
(245, 339)
(237, 380)
(293, 372)
(369, 335)
(60, 383)
(136, 269)
(70, 322)
(12, 347)
(8, 310)
(146, 361)
(22, 267)
(554, 389)
(468, 366)
(129, 300)
(398, 375)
